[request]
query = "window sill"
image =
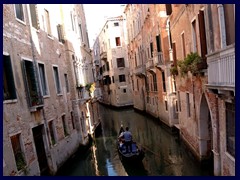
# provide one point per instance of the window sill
(10, 101)
(20, 21)
(230, 157)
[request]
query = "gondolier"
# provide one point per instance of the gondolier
(127, 136)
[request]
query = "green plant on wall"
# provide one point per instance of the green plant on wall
(20, 161)
(90, 87)
(174, 70)
(190, 63)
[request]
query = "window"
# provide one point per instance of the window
(163, 81)
(122, 78)
(60, 33)
(183, 45)
(64, 125)
(80, 32)
(116, 24)
(51, 131)
(72, 19)
(174, 54)
(188, 105)
(230, 128)
(120, 62)
(57, 81)
(18, 153)
(113, 79)
(8, 79)
(19, 11)
(107, 66)
(34, 18)
(72, 119)
(118, 41)
(169, 9)
(48, 22)
(137, 85)
(179, 100)
(151, 49)
(229, 15)
(194, 36)
(32, 86)
(124, 91)
(155, 82)
(158, 40)
(166, 105)
(43, 80)
(66, 82)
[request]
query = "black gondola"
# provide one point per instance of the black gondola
(137, 153)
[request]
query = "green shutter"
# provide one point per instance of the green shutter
(7, 67)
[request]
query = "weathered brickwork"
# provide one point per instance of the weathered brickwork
(24, 122)
(198, 103)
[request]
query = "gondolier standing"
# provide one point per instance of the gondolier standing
(127, 135)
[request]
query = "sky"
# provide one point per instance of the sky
(96, 15)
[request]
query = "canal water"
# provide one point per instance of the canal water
(165, 154)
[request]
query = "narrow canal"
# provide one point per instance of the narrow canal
(165, 154)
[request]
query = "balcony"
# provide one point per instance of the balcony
(140, 70)
(103, 55)
(221, 69)
(158, 60)
(150, 64)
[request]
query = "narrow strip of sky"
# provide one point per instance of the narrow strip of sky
(96, 15)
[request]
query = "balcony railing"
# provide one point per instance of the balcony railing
(150, 64)
(158, 60)
(103, 55)
(140, 70)
(221, 68)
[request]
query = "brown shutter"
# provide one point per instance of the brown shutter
(169, 9)
(202, 35)
(174, 54)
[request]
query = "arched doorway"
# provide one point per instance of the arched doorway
(205, 130)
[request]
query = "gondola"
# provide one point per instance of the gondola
(136, 155)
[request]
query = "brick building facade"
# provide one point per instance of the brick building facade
(45, 117)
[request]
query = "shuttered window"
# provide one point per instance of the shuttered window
(174, 54)
(18, 154)
(163, 81)
(66, 82)
(229, 23)
(202, 32)
(158, 40)
(56, 78)
(151, 49)
(34, 17)
(51, 130)
(48, 22)
(230, 128)
(183, 46)
(60, 33)
(30, 79)
(9, 91)
(169, 9)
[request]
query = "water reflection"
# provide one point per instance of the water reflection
(164, 154)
